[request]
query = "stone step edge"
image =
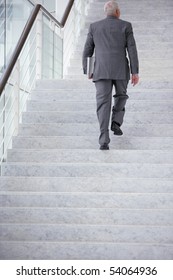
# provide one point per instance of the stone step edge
(134, 90)
(86, 150)
(90, 177)
(82, 164)
(77, 112)
(84, 193)
(83, 136)
(95, 124)
(20, 178)
(84, 123)
(141, 86)
(131, 100)
(85, 208)
(86, 225)
(88, 243)
(87, 239)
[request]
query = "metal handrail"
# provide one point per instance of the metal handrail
(66, 13)
(24, 36)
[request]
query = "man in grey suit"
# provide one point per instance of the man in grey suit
(111, 39)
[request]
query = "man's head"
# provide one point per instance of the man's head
(111, 9)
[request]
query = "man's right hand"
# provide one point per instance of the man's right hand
(134, 79)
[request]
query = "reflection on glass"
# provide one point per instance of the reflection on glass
(22, 79)
(13, 17)
(49, 5)
(52, 51)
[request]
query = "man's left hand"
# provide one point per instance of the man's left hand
(134, 79)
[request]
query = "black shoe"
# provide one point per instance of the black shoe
(116, 129)
(104, 147)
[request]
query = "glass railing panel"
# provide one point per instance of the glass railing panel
(17, 90)
(9, 116)
(7, 119)
(27, 69)
(15, 14)
(58, 55)
(44, 47)
(52, 50)
(44, 55)
(47, 54)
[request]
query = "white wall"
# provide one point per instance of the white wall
(49, 5)
(60, 8)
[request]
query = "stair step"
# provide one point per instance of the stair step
(86, 251)
(90, 117)
(92, 216)
(64, 84)
(86, 106)
(89, 156)
(88, 200)
(66, 129)
(90, 96)
(148, 76)
(87, 84)
(148, 4)
(134, 2)
(147, 65)
(96, 16)
(144, 70)
(145, 31)
(138, 25)
(91, 142)
(130, 170)
(90, 184)
(151, 55)
(86, 233)
(148, 60)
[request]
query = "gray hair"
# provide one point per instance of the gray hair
(110, 8)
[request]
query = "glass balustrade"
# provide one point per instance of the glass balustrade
(45, 55)
(13, 17)
(52, 44)
(41, 58)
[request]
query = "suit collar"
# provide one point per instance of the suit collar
(111, 17)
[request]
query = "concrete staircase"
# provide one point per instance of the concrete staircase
(63, 198)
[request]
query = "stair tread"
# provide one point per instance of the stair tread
(55, 250)
(89, 156)
(86, 233)
(87, 184)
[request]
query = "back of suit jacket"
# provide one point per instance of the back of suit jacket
(112, 39)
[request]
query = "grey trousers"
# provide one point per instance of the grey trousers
(104, 101)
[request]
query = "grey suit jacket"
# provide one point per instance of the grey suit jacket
(111, 39)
